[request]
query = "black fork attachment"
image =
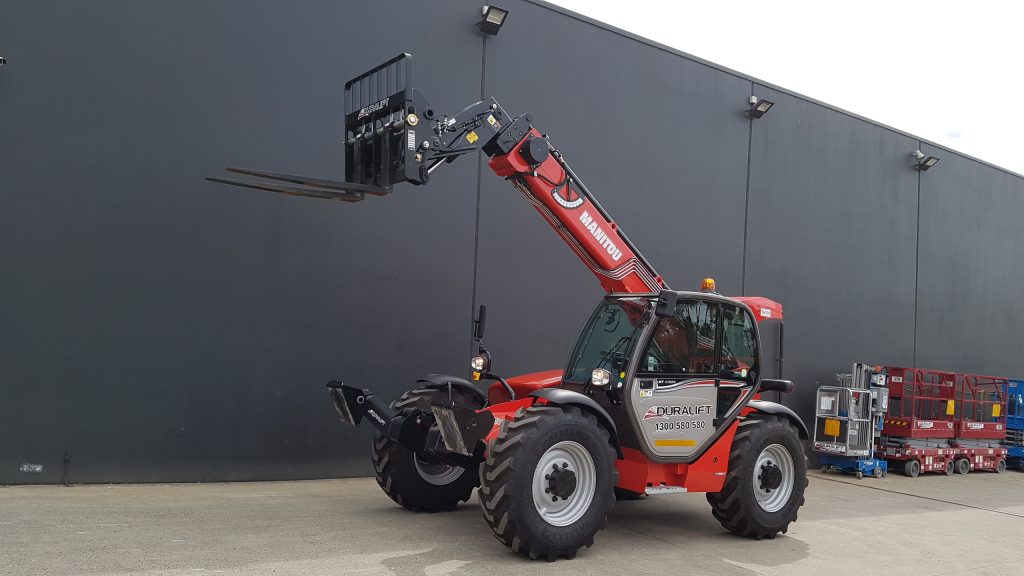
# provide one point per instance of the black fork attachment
(391, 136)
(457, 437)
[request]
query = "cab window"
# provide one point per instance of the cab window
(684, 343)
(739, 345)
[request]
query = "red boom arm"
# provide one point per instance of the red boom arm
(549, 185)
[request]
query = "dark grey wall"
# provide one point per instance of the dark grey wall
(158, 327)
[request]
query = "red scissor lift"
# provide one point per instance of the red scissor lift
(944, 422)
(980, 423)
(919, 426)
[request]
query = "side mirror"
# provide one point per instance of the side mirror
(774, 385)
(479, 322)
(666, 307)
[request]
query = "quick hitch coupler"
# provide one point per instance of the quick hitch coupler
(408, 428)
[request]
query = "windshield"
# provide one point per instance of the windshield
(608, 338)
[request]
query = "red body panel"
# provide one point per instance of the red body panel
(523, 385)
(763, 308)
(506, 411)
(594, 238)
(707, 474)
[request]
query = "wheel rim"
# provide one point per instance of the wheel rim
(437, 473)
(561, 459)
(773, 478)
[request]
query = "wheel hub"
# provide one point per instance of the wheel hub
(770, 477)
(561, 481)
(564, 483)
(773, 478)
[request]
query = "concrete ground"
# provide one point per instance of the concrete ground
(930, 525)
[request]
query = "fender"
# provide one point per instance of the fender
(441, 382)
(773, 408)
(564, 397)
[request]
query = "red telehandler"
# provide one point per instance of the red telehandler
(659, 395)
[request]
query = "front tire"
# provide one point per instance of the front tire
(548, 481)
(418, 483)
(764, 488)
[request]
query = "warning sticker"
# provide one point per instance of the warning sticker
(472, 137)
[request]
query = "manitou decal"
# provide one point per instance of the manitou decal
(372, 108)
(600, 235)
(666, 411)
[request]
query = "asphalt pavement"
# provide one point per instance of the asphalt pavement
(930, 525)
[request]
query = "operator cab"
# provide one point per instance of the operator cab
(671, 369)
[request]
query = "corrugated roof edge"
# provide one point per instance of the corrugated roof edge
(671, 50)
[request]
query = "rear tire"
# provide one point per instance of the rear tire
(963, 466)
(1000, 466)
(950, 468)
(766, 449)
(912, 468)
(414, 482)
(527, 463)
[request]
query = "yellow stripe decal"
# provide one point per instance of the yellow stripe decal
(675, 442)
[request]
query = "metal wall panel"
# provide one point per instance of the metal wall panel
(160, 327)
(658, 139)
(970, 308)
(831, 235)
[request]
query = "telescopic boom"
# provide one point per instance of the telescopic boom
(393, 136)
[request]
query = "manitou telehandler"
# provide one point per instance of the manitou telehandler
(659, 395)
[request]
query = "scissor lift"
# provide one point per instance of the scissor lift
(848, 417)
(980, 425)
(919, 424)
(944, 422)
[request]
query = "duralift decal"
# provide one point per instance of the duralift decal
(602, 238)
(373, 108)
(666, 411)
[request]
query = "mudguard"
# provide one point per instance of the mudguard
(564, 397)
(774, 408)
(441, 381)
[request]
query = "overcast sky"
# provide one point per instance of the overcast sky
(949, 72)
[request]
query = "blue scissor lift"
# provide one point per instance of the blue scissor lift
(848, 418)
(1015, 424)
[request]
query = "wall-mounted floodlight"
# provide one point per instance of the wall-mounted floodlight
(492, 20)
(923, 163)
(759, 108)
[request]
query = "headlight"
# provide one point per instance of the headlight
(600, 377)
(479, 363)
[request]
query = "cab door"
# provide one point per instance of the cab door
(694, 370)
